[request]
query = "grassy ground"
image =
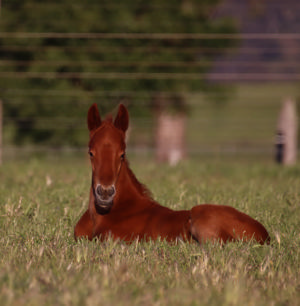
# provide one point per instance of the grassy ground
(41, 264)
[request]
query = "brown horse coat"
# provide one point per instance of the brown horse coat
(122, 207)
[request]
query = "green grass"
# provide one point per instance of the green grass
(41, 264)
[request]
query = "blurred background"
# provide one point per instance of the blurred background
(206, 77)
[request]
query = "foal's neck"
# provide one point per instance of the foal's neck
(140, 188)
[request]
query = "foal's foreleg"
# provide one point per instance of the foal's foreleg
(84, 227)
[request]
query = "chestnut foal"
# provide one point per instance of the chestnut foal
(120, 206)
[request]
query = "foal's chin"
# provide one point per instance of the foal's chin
(103, 207)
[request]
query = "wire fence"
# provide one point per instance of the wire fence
(245, 122)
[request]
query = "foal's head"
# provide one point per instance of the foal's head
(107, 153)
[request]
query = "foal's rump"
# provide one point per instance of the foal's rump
(224, 223)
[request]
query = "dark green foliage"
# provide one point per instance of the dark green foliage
(45, 77)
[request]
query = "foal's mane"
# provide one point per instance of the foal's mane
(142, 189)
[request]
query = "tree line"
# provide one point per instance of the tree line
(46, 77)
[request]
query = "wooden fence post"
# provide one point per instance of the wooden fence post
(286, 134)
(170, 112)
(170, 137)
(1, 121)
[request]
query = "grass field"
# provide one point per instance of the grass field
(41, 264)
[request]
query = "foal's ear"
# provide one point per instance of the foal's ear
(93, 118)
(122, 119)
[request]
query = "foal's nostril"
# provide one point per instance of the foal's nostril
(105, 192)
(111, 191)
(99, 190)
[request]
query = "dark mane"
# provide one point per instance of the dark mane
(143, 190)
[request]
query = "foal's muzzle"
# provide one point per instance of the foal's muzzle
(104, 197)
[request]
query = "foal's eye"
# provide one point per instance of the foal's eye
(91, 154)
(122, 156)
